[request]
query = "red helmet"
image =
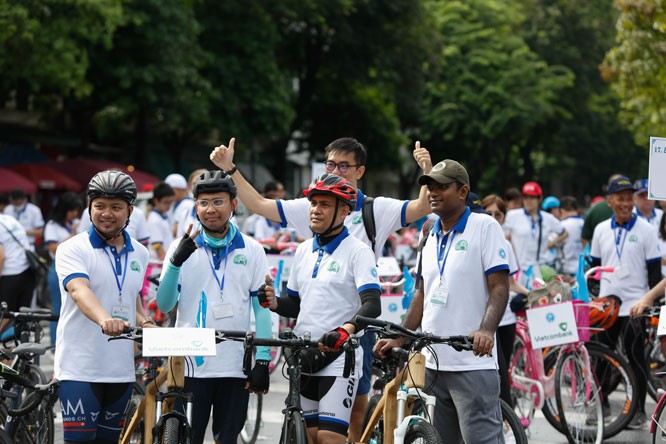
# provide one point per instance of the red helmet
(532, 189)
(604, 312)
(332, 185)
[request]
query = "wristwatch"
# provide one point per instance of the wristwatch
(231, 171)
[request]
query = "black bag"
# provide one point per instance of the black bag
(36, 263)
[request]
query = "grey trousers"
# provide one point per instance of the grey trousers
(468, 408)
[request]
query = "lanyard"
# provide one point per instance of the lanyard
(20, 212)
(534, 224)
(220, 282)
(442, 244)
(619, 241)
(316, 267)
(116, 271)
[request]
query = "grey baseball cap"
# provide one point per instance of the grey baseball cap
(446, 171)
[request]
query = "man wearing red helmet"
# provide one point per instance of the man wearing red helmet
(529, 228)
(333, 279)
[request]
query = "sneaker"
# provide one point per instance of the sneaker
(638, 422)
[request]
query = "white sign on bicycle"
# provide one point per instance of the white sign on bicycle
(553, 324)
(661, 328)
(179, 342)
(656, 176)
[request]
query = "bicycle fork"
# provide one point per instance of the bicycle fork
(403, 422)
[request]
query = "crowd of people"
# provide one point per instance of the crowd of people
(477, 258)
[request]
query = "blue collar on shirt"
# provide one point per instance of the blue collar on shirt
(527, 213)
(332, 245)
(649, 218)
(459, 227)
(628, 226)
(163, 216)
(181, 201)
(360, 198)
(97, 242)
(236, 243)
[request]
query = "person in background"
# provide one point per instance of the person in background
(183, 199)
(28, 214)
(187, 213)
(599, 212)
(158, 220)
(506, 332)
(572, 246)
(644, 207)
(4, 201)
(551, 204)
(17, 280)
(137, 228)
(61, 226)
(513, 199)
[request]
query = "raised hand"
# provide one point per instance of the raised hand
(223, 156)
(422, 157)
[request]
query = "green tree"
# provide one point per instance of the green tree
(491, 93)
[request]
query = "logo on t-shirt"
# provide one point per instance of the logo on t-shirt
(134, 266)
(633, 238)
(240, 259)
(502, 253)
(334, 267)
(462, 245)
(358, 219)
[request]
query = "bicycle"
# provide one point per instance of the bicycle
(403, 413)
(572, 385)
(152, 418)
(293, 424)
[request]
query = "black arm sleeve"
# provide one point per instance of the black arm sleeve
(371, 305)
(289, 306)
(654, 273)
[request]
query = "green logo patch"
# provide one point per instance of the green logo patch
(358, 219)
(334, 267)
(633, 238)
(563, 326)
(134, 266)
(240, 259)
(462, 245)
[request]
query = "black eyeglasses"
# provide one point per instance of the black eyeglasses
(342, 167)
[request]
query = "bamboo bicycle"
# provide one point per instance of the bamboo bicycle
(395, 418)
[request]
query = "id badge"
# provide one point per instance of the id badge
(222, 310)
(120, 311)
(440, 295)
(622, 272)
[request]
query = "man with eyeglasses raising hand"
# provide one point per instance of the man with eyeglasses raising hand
(213, 276)
(345, 157)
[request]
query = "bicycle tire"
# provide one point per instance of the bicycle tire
(656, 364)
(4, 437)
(618, 383)
(581, 414)
(524, 400)
(422, 432)
(293, 429)
(512, 427)
(172, 432)
(659, 418)
(377, 435)
(549, 409)
(252, 425)
(137, 434)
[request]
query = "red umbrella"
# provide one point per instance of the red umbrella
(82, 170)
(45, 177)
(13, 181)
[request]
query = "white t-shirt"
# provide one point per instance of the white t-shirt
(137, 227)
(265, 228)
(329, 280)
(654, 219)
(83, 352)
(29, 216)
(572, 246)
(15, 260)
(509, 316)
(54, 233)
(389, 215)
(240, 275)
(160, 232)
(628, 250)
(474, 248)
(524, 232)
(185, 214)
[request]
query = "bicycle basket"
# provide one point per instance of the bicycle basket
(553, 292)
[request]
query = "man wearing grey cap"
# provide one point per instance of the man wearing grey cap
(463, 290)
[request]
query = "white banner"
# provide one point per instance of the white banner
(179, 342)
(553, 324)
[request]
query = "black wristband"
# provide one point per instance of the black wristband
(231, 171)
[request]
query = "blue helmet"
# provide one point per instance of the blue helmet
(550, 202)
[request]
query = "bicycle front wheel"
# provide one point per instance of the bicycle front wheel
(422, 432)
(512, 427)
(137, 434)
(252, 425)
(377, 435)
(293, 429)
(659, 418)
(578, 399)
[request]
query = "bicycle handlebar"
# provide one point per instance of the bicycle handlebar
(34, 398)
(595, 272)
(390, 329)
(136, 334)
(26, 314)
